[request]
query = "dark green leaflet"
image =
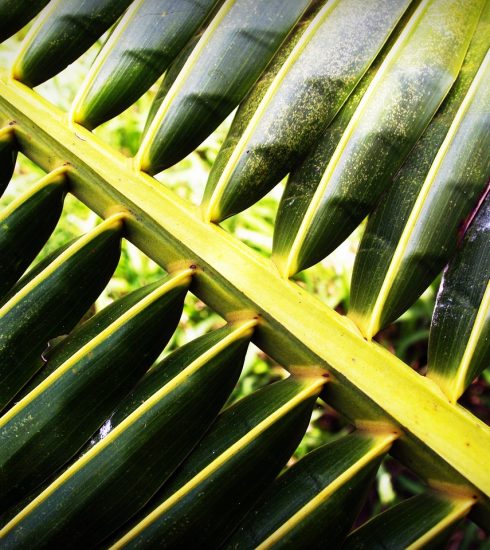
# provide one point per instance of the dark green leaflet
(235, 48)
(407, 523)
(14, 14)
(52, 304)
(459, 343)
(26, 226)
(264, 80)
(85, 378)
(63, 31)
(8, 156)
(453, 185)
(170, 77)
(119, 474)
(310, 504)
(34, 271)
(240, 455)
(394, 111)
(387, 222)
(140, 49)
(280, 121)
(302, 182)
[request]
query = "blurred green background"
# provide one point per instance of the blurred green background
(329, 280)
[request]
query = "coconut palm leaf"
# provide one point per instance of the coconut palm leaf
(125, 468)
(317, 500)
(14, 15)
(82, 382)
(53, 302)
(27, 224)
(267, 139)
(64, 30)
(424, 520)
(437, 200)
(392, 114)
(459, 343)
(8, 156)
(136, 55)
(244, 450)
(235, 48)
(100, 448)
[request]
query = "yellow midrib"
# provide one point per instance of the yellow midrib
(308, 34)
(178, 280)
(179, 82)
(381, 445)
(399, 254)
(301, 396)
(292, 259)
(242, 331)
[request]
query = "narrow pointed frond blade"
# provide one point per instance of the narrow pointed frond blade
(452, 187)
(34, 271)
(8, 157)
(303, 180)
(140, 49)
(62, 32)
(387, 222)
(175, 68)
(150, 433)
(235, 48)
(26, 225)
(169, 78)
(225, 346)
(317, 500)
(459, 342)
(396, 108)
(284, 118)
(426, 519)
(82, 383)
(14, 14)
(240, 455)
(52, 303)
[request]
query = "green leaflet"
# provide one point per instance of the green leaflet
(8, 156)
(263, 81)
(53, 302)
(426, 519)
(280, 121)
(231, 54)
(140, 49)
(459, 342)
(34, 271)
(142, 443)
(314, 503)
(302, 182)
(395, 109)
(26, 225)
(168, 80)
(61, 33)
(84, 380)
(14, 14)
(240, 455)
(386, 224)
(422, 246)
(222, 346)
